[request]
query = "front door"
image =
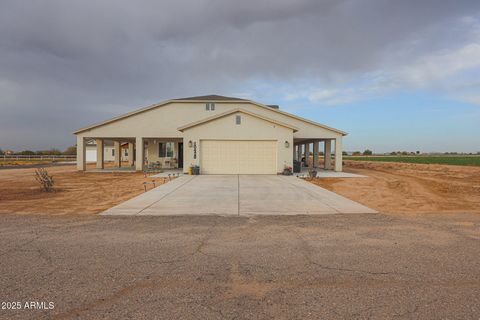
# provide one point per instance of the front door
(180, 154)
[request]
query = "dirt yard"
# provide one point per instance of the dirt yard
(410, 188)
(388, 188)
(75, 192)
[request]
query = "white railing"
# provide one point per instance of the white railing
(7, 157)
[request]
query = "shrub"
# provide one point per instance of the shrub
(45, 180)
(367, 152)
(27, 153)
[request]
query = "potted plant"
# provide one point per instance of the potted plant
(287, 171)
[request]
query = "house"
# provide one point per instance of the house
(108, 151)
(222, 135)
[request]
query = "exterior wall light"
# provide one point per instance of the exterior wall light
(287, 144)
(190, 143)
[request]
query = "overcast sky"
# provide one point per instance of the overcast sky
(394, 74)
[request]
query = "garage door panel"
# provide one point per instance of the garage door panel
(238, 157)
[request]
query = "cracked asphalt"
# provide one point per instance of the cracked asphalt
(263, 267)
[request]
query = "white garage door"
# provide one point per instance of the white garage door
(238, 157)
(91, 155)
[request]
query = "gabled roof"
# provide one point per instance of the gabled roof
(229, 112)
(211, 97)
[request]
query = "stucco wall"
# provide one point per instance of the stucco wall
(251, 128)
(164, 121)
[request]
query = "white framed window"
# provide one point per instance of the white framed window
(210, 106)
(126, 152)
(238, 119)
(113, 152)
(165, 149)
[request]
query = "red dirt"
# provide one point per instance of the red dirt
(409, 188)
(75, 192)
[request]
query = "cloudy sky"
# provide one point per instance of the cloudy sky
(396, 75)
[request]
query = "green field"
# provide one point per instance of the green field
(451, 160)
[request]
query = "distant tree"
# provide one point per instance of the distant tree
(417, 152)
(344, 153)
(70, 150)
(356, 153)
(393, 153)
(52, 151)
(367, 152)
(26, 153)
(1, 152)
(320, 153)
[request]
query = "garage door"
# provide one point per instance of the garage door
(238, 157)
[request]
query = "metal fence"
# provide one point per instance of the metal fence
(7, 157)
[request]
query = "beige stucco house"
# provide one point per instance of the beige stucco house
(222, 135)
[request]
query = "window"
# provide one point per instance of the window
(210, 106)
(165, 149)
(113, 152)
(238, 119)
(126, 152)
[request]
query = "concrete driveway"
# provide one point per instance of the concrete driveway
(237, 195)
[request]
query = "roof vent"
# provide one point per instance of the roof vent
(273, 106)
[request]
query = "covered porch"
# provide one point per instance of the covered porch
(318, 153)
(128, 154)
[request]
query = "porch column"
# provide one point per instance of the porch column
(327, 155)
(130, 154)
(118, 155)
(338, 154)
(81, 154)
(307, 154)
(100, 155)
(299, 152)
(139, 154)
(315, 153)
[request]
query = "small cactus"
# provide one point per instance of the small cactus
(45, 180)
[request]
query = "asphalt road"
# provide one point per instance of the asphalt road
(290, 267)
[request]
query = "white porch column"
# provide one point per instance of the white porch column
(315, 154)
(307, 154)
(327, 155)
(100, 155)
(299, 152)
(338, 154)
(139, 153)
(81, 154)
(118, 155)
(130, 154)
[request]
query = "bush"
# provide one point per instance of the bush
(70, 150)
(45, 180)
(367, 152)
(27, 153)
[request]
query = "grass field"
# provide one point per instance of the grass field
(449, 160)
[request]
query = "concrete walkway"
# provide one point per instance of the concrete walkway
(237, 195)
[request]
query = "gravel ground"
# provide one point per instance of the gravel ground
(304, 267)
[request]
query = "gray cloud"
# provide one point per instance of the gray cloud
(65, 64)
